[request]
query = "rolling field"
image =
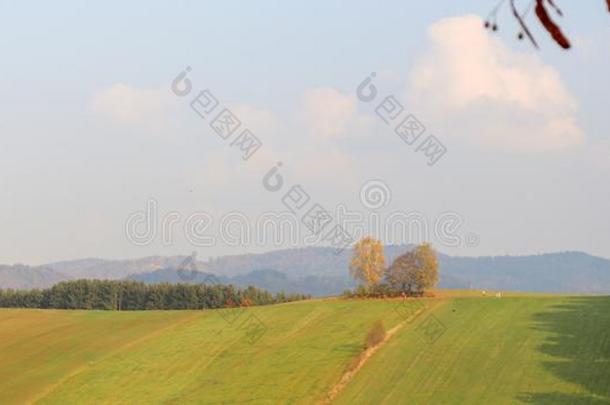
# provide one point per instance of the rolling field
(458, 350)
(184, 356)
(496, 351)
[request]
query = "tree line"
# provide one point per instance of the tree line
(133, 295)
(410, 274)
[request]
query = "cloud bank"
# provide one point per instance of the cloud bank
(473, 86)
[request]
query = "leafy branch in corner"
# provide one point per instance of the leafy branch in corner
(541, 11)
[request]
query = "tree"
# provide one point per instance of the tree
(415, 270)
(368, 261)
(426, 274)
(130, 295)
(400, 274)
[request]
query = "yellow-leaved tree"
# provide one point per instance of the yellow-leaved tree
(426, 275)
(368, 261)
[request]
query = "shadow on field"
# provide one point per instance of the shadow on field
(580, 345)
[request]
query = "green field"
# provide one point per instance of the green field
(545, 350)
(495, 351)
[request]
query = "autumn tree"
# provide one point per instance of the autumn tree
(400, 274)
(416, 270)
(368, 261)
(426, 275)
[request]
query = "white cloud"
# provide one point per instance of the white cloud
(124, 104)
(328, 112)
(473, 86)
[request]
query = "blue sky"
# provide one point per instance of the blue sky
(89, 129)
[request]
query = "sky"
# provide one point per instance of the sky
(92, 134)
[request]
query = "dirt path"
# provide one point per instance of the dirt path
(365, 356)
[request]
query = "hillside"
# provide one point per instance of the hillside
(496, 351)
(567, 272)
(267, 279)
(186, 356)
(172, 275)
(22, 277)
(549, 350)
(115, 269)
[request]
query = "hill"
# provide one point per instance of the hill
(319, 272)
(115, 269)
(459, 350)
(20, 277)
(185, 356)
(268, 279)
(172, 275)
(566, 272)
(495, 351)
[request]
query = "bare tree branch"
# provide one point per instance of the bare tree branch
(522, 23)
(543, 17)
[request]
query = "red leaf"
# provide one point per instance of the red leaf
(550, 26)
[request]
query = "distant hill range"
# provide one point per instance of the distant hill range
(24, 277)
(318, 271)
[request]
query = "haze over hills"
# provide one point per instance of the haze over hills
(23, 277)
(318, 271)
(114, 269)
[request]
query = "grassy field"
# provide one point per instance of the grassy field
(544, 350)
(496, 351)
(188, 356)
